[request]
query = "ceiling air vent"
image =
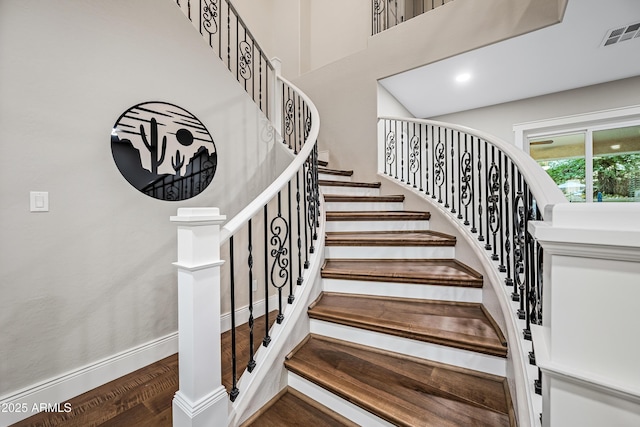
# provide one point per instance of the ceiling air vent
(621, 34)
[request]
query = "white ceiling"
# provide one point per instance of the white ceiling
(560, 57)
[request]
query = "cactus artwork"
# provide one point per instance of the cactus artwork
(147, 134)
(152, 145)
(177, 162)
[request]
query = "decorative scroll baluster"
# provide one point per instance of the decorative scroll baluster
(519, 216)
(311, 203)
(414, 158)
(439, 172)
(279, 275)
(390, 148)
(509, 190)
(466, 174)
(493, 207)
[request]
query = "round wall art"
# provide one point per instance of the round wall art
(164, 151)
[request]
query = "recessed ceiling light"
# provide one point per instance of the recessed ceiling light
(463, 77)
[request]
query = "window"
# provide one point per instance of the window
(592, 158)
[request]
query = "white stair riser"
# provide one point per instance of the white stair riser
(376, 225)
(403, 290)
(363, 206)
(349, 191)
(424, 350)
(392, 252)
(337, 404)
(331, 177)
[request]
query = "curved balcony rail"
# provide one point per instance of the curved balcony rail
(490, 188)
(389, 13)
(222, 27)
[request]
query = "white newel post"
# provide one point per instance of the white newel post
(588, 345)
(201, 399)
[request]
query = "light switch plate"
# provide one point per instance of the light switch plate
(39, 201)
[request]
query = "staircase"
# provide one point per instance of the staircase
(399, 335)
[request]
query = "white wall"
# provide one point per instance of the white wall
(93, 276)
(499, 119)
(345, 91)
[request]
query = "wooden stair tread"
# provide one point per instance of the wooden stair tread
(363, 199)
(327, 183)
(449, 272)
(403, 390)
(377, 216)
(338, 172)
(457, 324)
(292, 408)
(389, 238)
(322, 163)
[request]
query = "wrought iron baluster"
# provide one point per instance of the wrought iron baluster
(422, 161)
(279, 274)
(414, 157)
(290, 273)
(229, 36)
(504, 200)
(426, 159)
(402, 154)
(299, 282)
(311, 208)
(252, 363)
(459, 171)
(530, 266)
(390, 147)
(519, 219)
(466, 173)
(453, 173)
(267, 339)
(439, 162)
(395, 122)
(479, 187)
(509, 191)
(234, 388)
(487, 183)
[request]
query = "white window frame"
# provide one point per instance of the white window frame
(579, 123)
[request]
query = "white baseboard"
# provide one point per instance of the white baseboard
(59, 389)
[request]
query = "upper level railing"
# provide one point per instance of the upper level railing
(225, 31)
(389, 13)
(487, 185)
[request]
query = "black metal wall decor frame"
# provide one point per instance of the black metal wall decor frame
(164, 151)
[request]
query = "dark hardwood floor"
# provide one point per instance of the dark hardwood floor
(143, 398)
(403, 390)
